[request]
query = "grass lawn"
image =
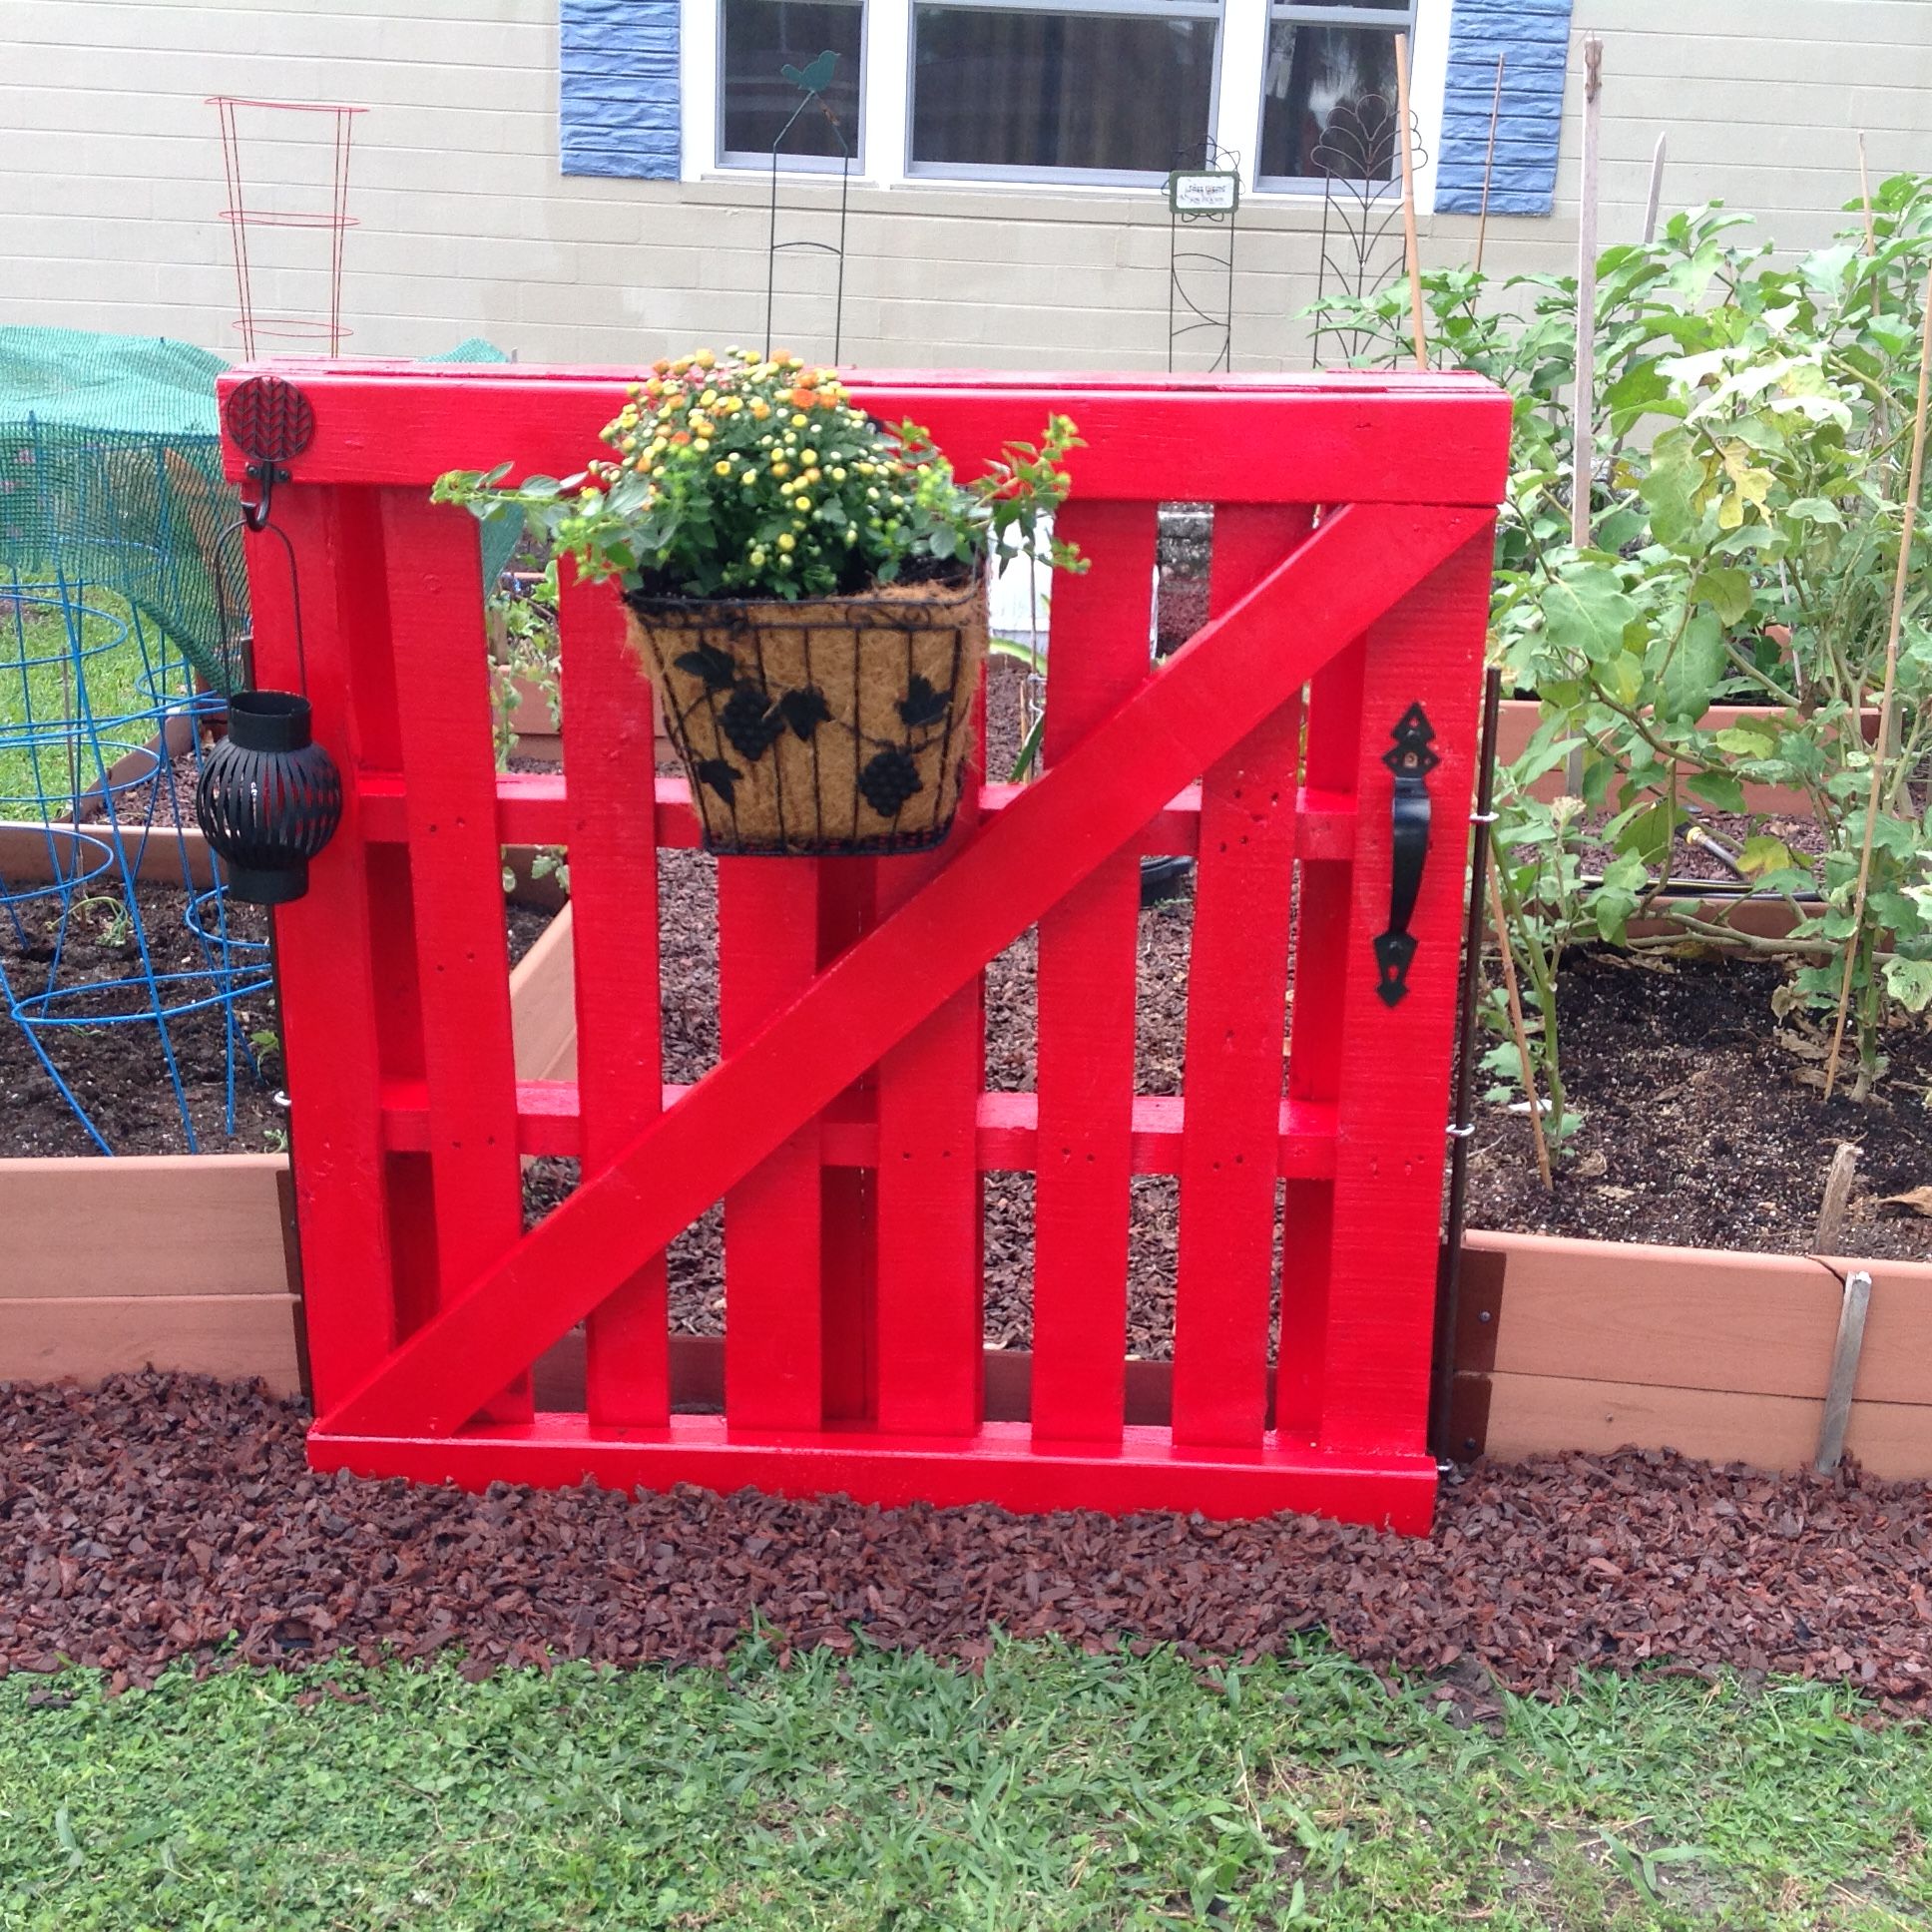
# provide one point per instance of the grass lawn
(42, 752)
(881, 1790)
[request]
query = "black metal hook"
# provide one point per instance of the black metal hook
(266, 476)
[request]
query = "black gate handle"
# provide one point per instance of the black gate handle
(1412, 760)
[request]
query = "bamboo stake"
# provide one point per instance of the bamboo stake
(1657, 190)
(1518, 1031)
(1489, 160)
(1410, 252)
(1864, 194)
(1907, 532)
(1582, 466)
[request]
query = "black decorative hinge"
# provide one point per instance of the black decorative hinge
(1411, 759)
(270, 422)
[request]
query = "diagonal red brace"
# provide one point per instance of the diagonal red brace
(1205, 700)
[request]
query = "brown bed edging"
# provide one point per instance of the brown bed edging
(1723, 1355)
(187, 1261)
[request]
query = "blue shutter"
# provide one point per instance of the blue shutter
(1535, 34)
(617, 108)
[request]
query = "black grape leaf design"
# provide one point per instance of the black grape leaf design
(888, 780)
(722, 777)
(717, 668)
(922, 704)
(804, 711)
(751, 721)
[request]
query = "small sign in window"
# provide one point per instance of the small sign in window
(1204, 190)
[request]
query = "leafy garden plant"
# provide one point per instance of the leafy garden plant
(746, 476)
(1752, 419)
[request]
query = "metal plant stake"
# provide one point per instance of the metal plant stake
(813, 80)
(1362, 245)
(1204, 198)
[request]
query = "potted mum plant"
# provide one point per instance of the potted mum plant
(805, 586)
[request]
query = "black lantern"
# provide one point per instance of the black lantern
(269, 797)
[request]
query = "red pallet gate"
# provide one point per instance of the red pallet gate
(846, 1128)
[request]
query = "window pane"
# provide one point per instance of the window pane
(1059, 90)
(762, 39)
(1332, 82)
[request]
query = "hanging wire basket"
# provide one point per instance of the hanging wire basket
(832, 726)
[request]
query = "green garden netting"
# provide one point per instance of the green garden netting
(110, 480)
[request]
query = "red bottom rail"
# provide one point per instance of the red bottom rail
(1000, 1464)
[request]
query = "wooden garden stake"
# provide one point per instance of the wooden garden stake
(1655, 201)
(1410, 253)
(1864, 195)
(1838, 1198)
(1582, 466)
(1908, 530)
(1489, 160)
(1518, 1031)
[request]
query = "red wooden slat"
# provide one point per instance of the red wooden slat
(614, 917)
(1315, 1042)
(1088, 957)
(1004, 1132)
(1003, 1464)
(1236, 1016)
(532, 809)
(435, 598)
(1396, 1060)
(930, 1290)
(325, 956)
(768, 948)
(1357, 439)
(1232, 675)
(849, 1281)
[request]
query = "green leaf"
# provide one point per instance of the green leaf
(1753, 741)
(1645, 835)
(1728, 591)
(1586, 612)
(1818, 509)
(1718, 790)
(1693, 669)
(1909, 982)
(1677, 476)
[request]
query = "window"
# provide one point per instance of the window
(760, 39)
(1051, 90)
(1329, 90)
(1040, 92)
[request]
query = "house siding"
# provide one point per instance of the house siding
(110, 184)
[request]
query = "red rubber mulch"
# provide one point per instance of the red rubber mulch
(166, 1517)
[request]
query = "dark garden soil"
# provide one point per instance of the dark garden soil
(119, 1073)
(170, 1518)
(1704, 1123)
(175, 806)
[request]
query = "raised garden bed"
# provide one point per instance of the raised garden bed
(158, 1257)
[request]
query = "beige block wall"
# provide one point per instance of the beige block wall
(111, 179)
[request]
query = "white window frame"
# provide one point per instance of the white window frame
(881, 143)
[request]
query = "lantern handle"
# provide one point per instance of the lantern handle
(243, 655)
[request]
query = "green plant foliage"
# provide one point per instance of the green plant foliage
(1752, 422)
(853, 1794)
